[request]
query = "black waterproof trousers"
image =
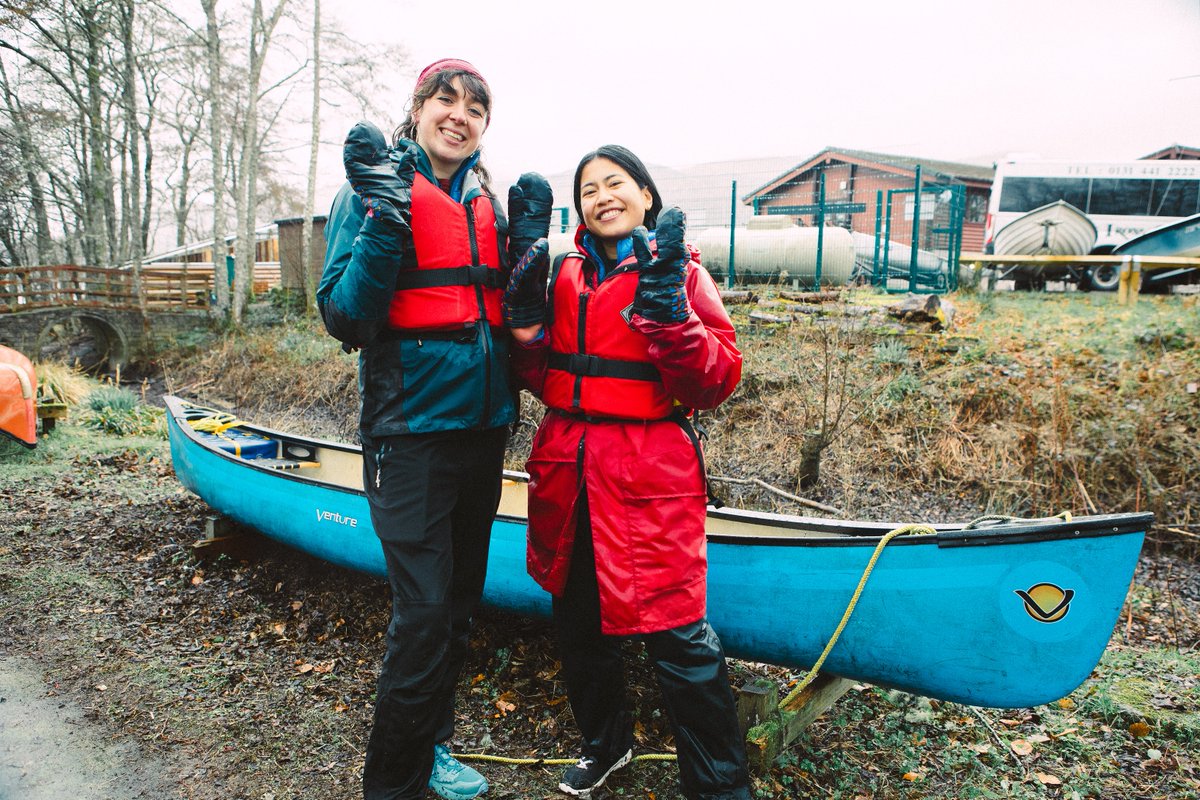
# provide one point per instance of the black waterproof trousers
(433, 497)
(692, 675)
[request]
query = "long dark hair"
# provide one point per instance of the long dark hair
(443, 81)
(627, 161)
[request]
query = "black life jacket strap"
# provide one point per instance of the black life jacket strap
(480, 275)
(591, 366)
(685, 422)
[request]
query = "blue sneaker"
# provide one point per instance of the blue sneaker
(452, 779)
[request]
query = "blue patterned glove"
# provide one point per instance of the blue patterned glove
(530, 202)
(524, 301)
(661, 296)
(384, 185)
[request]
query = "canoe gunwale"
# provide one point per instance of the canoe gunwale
(810, 531)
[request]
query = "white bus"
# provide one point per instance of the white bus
(1122, 198)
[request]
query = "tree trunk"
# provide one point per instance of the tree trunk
(216, 133)
(29, 165)
(133, 132)
(306, 231)
(811, 448)
(260, 39)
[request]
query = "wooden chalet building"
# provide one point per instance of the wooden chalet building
(853, 179)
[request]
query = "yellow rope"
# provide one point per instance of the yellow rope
(216, 422)
(924, 530)
(551, 761)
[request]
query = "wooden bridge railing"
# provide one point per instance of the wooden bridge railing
(164, 286)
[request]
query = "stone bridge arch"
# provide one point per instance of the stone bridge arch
(97, 339)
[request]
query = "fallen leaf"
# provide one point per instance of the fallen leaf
(1039, 738)
(1048, 780)
(1139, 729)
(1066, 702)
(912, 776)
(279, 628)
(1154, 755)
(197, 580)
(304, 668)
(1021, 747)
(505, 702)
(100, 687)
(981, 748)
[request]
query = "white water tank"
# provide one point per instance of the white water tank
(765, 250)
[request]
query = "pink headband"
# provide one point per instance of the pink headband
(450, 63)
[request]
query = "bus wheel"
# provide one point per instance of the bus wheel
(1104, 277)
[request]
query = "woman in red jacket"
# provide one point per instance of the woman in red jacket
(629, 337)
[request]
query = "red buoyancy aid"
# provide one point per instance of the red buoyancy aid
(597, 364)
(458, 278)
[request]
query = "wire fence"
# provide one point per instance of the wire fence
(837, 218)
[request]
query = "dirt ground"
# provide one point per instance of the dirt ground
(134, 665)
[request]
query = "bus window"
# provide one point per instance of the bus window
(1026, 194)
(1125, 196)
(1174, 198)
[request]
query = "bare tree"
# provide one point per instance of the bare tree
(22, 137)
(217, 142)
(306, 231)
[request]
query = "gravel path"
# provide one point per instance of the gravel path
(49, 751)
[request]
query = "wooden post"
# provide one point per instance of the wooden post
(1123, 278)
(784, 724)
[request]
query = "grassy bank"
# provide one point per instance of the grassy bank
(251, 672)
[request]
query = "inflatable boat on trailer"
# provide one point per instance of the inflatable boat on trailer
(1010, 615)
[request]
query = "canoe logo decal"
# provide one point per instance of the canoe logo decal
(333, 516)
(1046, 602)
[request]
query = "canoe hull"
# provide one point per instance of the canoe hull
(1055, 229)
(941, 616)
(1179, 238)
(18, 390)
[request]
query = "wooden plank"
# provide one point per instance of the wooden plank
(1151, 262)
(765, 741)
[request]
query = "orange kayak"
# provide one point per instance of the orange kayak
(18, 387)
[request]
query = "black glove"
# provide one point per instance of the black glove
(383, 183)
(529, 206)
(661, 296)
(524, 301)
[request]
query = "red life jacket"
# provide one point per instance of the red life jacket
(598, 365)
(458, 278)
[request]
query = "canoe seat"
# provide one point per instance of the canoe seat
(284, 463)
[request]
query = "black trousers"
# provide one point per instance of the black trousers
(433, 498)
(689, 664)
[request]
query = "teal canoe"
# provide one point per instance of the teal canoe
(1009, 615)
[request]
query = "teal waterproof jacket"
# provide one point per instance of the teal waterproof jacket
(409, 384)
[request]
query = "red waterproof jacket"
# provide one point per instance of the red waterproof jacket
(645, 484)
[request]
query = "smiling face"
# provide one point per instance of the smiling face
(611, 202)
(449, 125)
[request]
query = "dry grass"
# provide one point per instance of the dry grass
(1036, 404)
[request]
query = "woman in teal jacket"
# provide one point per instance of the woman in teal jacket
(418, 251)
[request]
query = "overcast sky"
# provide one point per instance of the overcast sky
(689, 82)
